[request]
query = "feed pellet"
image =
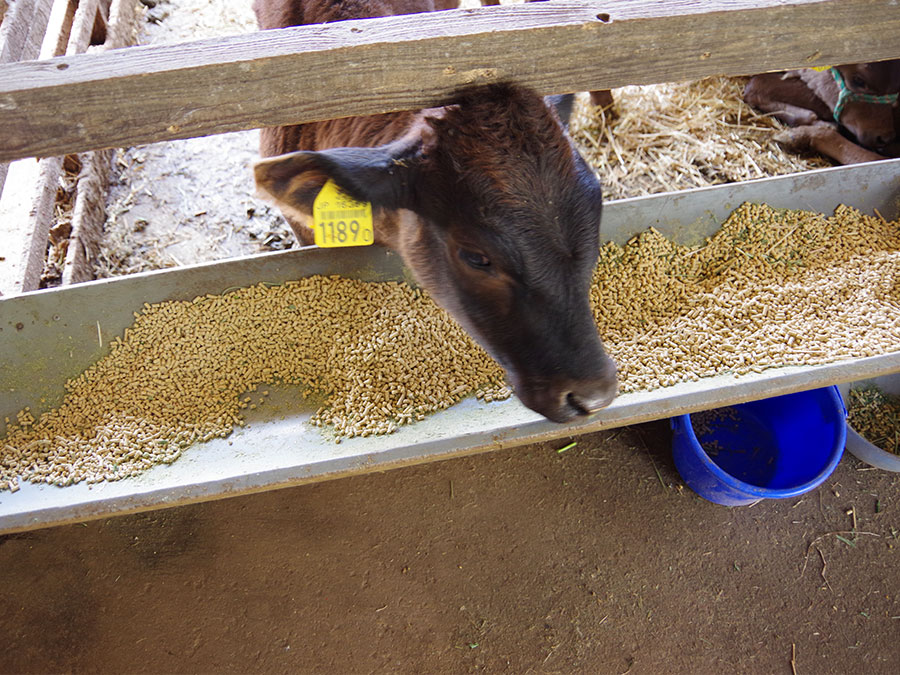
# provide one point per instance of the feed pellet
(771, 288)
(875, 415)
(379, 355)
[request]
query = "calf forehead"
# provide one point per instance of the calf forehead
(490, 127)
(506, 143)
(514, 164)
(549, 250)
(509, 175)
(528, 218)
(556, 275)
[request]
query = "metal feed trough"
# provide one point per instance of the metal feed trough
(49, 336)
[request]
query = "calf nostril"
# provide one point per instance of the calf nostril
(576, 404)
(583, 404)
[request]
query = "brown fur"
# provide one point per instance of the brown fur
(805, 99)
(487, 201)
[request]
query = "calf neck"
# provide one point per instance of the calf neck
(489, 205)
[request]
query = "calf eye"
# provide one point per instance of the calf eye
(474, 259)
(857, 82)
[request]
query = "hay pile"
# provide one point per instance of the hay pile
(676, 136)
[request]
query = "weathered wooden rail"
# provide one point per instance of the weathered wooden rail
(145, 94)
(42, 29)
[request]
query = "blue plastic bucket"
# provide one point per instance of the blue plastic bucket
(770, 449)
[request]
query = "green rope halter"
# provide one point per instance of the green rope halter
(847, 95)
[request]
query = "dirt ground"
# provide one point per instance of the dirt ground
(594, 560)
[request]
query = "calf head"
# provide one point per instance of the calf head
(497, 216)
(861, 97)
(877, 79)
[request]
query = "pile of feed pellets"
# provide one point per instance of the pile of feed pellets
(380, 355)
(770, 288)
(875, 415)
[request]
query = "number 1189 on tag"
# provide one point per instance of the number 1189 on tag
(340, 220)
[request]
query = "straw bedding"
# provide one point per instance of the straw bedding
(675, 136)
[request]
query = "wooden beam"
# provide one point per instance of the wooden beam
(23, 30)
(82, 26)
(26, 211)
(58, 28)
(29, 194)
(35, 28)
(88, 217)
(309, 73)
(14, 30)
(89, 213)
(121, 27)
(21, 35)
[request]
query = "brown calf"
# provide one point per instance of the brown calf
(858, 99)
(486, 200)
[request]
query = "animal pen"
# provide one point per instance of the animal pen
(70, 107)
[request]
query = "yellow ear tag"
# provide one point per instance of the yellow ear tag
(340, 220)
(821, 69)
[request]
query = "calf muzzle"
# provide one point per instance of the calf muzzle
(562, 398)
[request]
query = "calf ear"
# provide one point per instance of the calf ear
(381, 175)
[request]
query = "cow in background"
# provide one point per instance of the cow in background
(848, 113)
